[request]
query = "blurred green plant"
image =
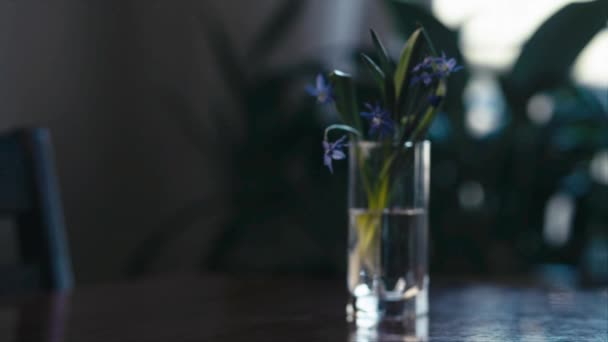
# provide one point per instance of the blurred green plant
(525, 163)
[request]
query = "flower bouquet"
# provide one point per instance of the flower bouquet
(389, 165)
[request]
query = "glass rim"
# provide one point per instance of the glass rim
(375, 144)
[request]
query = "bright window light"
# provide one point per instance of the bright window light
(591, 66)
(493, 31)
(484, 106)
(559, 214)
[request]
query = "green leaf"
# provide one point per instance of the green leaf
(422, 126)
(345, 98)
(276, 27)
(546, 58)
(417, 48)
(388, 69)
(413, 44)
(407, 18)
(376, 73)
(385, 60)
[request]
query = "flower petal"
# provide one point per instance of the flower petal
(387, 124)
(312, 91)
(327, 162)
(451, 63)
(338, 155)
(435, 100)
(426, 78)
(320, 82)
(367, 115)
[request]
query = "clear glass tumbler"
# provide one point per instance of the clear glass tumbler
(388, 233)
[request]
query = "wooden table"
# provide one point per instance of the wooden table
(222, 308)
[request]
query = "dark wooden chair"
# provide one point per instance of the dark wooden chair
(29, 196)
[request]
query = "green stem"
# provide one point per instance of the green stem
(369, 224)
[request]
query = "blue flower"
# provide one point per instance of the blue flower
(427, 62)
(435, 100)
(322, 90)
(444, 66)
(424, 76)
(379, 121)
(434, 67)
(333, 151)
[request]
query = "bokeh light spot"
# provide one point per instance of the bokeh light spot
(598, 168)
(540, 108)
(485, 106)
(471, 195)
(559, 213)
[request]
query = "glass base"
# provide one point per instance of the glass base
(372, 317)
(414, 330)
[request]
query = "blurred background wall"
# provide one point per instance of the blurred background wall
(109, 78)
(93, 72)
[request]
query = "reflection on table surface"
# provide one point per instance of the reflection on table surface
(297, 309)
(416, 329)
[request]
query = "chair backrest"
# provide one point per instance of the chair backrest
(29, 196)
